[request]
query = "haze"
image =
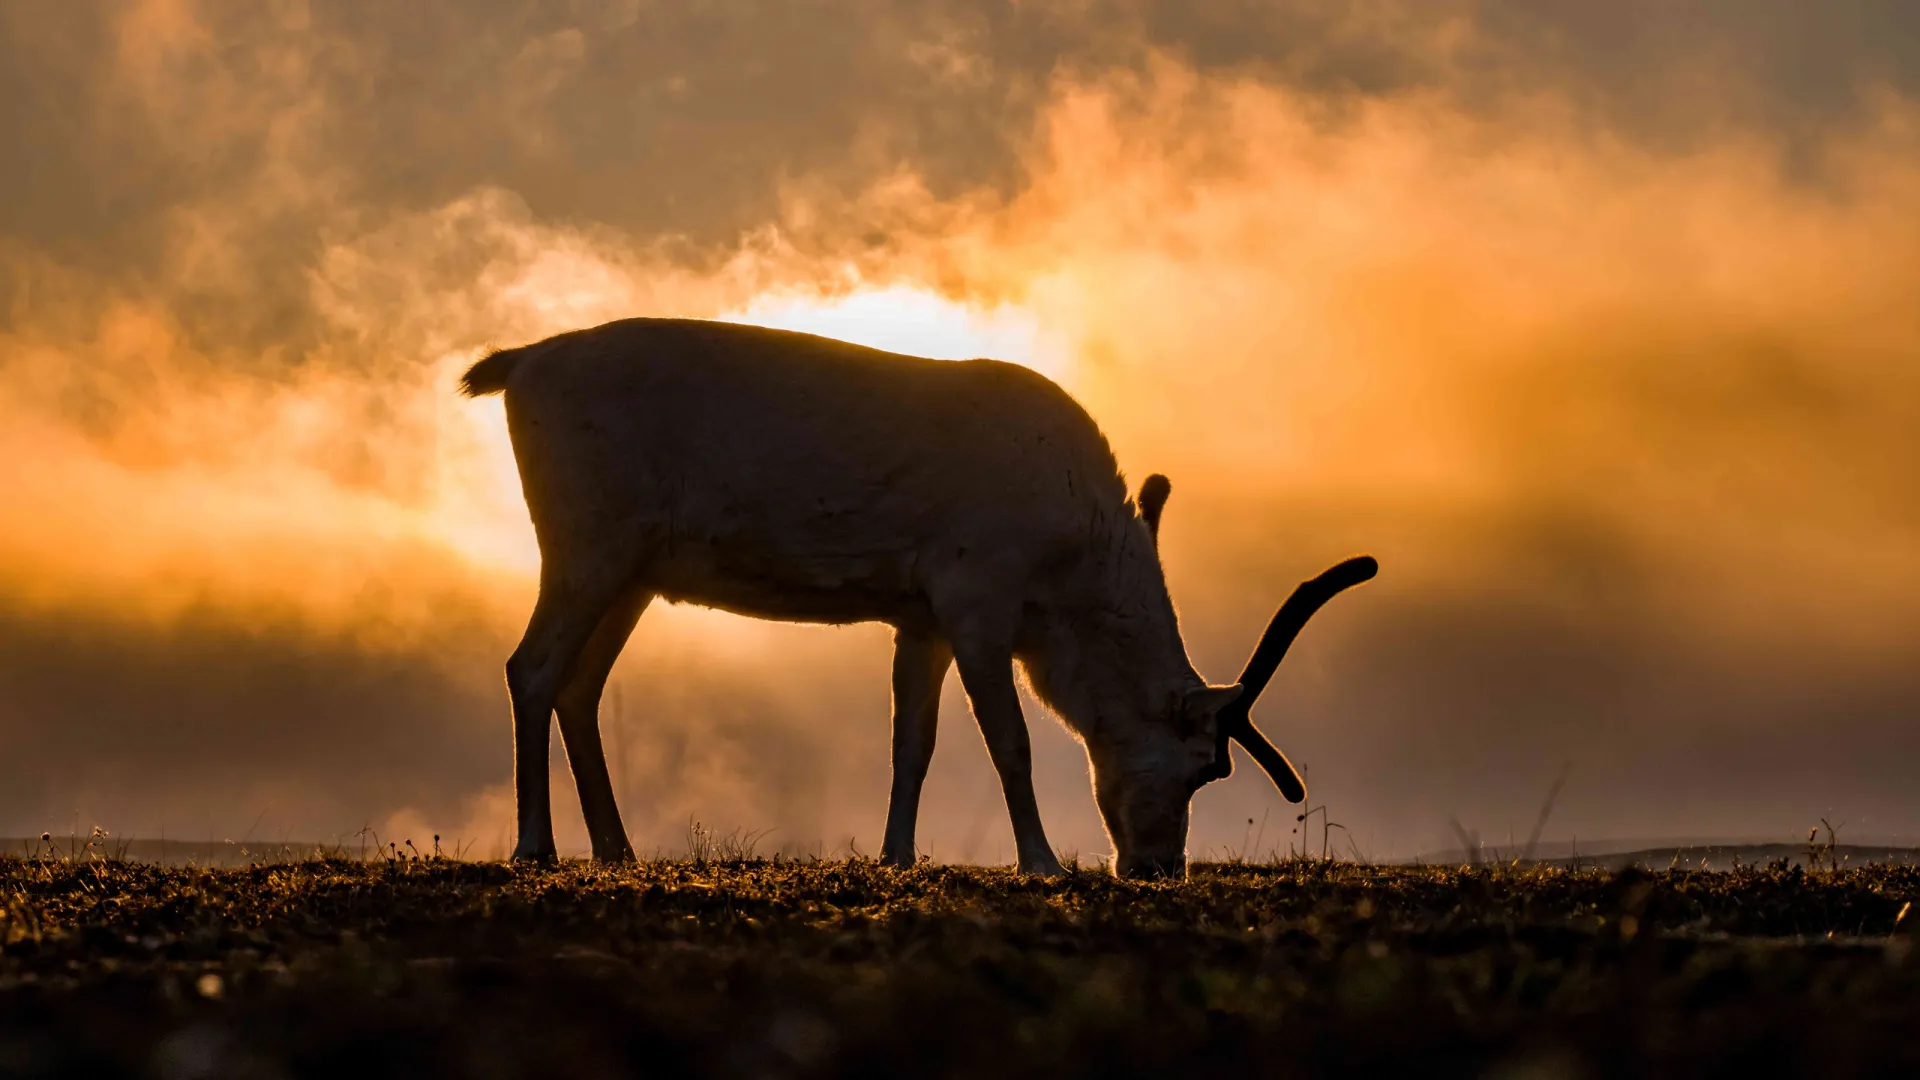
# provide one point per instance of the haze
(1595, 323)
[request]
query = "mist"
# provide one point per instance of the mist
(1594, 326)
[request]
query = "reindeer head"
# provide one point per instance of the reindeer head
(1145, 775)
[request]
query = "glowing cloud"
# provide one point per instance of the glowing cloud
(916, 322)
(1628, 417)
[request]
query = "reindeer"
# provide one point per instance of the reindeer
(972, 505)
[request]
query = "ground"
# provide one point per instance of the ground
(765, 968)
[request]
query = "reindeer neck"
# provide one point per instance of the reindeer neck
(1113, 649)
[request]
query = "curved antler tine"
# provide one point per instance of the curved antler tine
(1308, 598)
(1271, 761)
(1236, 721)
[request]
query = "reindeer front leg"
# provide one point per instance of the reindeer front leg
(920, 663)
(986, 670)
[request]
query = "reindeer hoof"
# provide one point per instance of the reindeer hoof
(541, 854)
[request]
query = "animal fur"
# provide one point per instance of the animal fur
(974, 506)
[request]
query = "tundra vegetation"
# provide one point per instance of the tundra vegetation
(750, 967)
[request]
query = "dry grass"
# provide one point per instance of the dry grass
(782, 968)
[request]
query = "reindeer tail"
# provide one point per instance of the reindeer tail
(490, 375)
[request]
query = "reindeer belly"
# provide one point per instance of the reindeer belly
(792, 586)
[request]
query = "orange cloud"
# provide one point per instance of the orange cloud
(1589, 395)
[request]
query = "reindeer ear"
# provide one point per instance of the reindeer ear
(1205, 701)
(1153, 499)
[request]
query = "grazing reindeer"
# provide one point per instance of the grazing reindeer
(972, 505)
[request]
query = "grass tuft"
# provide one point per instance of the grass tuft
(728, 964)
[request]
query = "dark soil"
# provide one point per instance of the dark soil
(816, 969)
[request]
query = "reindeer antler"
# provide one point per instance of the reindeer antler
(1235, 720)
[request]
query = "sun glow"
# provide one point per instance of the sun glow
(904, 319)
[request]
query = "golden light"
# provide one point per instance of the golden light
(916, 322)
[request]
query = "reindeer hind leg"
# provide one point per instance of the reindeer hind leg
(565, 616)
(578, 707)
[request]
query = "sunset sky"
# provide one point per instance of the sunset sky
(1598, 324)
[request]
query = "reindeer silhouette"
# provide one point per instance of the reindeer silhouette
(973, 506)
